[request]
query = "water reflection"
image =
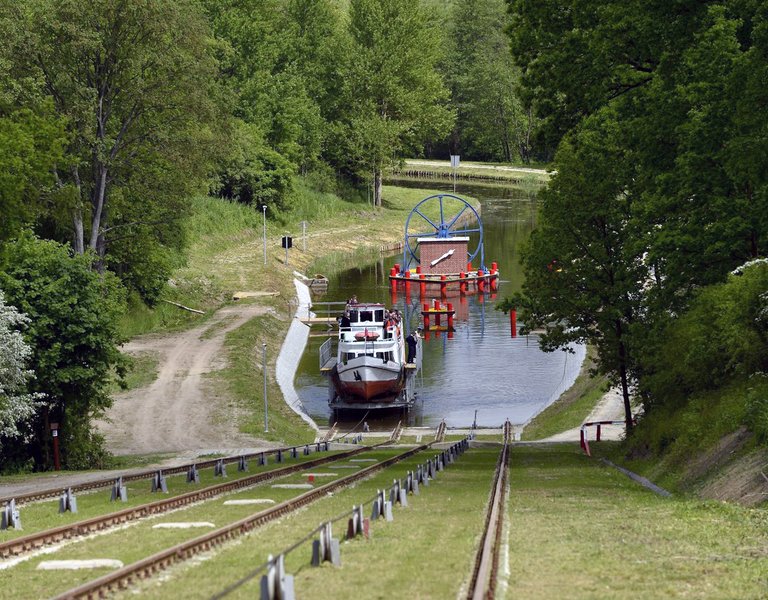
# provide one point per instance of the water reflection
(480, 367)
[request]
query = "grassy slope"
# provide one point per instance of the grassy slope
(581, 530)
(702, 448)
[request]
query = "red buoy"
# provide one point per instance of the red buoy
(463, 282)
(480, 280)
(513, 322)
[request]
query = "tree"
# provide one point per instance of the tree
(392, 99)
(584, 273)
(17, 407)
(133, 82)
(73, 333)
(31, 144)
(485, 84)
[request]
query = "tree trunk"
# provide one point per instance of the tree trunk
(622, 351)
(77, 221)
(377, 186)
(97, 203)
(77, 215)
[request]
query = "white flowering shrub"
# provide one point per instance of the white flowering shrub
(16, 406)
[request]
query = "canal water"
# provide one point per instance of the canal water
(480, 374)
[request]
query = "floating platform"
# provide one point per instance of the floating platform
(467, 281)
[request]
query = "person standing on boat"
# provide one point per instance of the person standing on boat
(344, 322)
(411, 341)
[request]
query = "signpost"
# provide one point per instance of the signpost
(287, 242)
(455, 159)
(264, 214)
(55, 434)
(264, 368)
(304, 235)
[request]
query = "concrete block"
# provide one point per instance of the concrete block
(193, 475)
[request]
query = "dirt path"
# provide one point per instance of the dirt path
(609, 408)
(181, 410)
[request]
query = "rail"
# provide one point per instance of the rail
(584, 436)
(147, 567)
(48, 537)
(109, 481)
(486, 565)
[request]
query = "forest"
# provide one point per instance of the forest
(113, 113)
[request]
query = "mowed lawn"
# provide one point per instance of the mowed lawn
(579, 529)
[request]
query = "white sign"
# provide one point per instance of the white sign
(455, 161)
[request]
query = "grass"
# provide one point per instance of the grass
(142, 370)
(684, 447)
(39, 516)
(243, 379)
(489, 170)
(426, 550)
(571, 408)
(140, 539)
(581, 530)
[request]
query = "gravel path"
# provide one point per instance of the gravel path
(610, 408)
(181, 410)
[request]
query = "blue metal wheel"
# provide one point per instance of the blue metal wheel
(429, 219)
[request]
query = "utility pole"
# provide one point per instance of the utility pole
(264, 368)
(264, 215)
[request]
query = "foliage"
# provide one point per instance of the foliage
(30, 145)
(678, 84)
(721, 337)
(583, 276)
(17, 407)
(133, 82)
(254, 173)
(73, 313)
(391, 98)
(492, 123)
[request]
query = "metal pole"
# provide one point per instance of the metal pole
(264, 215)
(264, 368)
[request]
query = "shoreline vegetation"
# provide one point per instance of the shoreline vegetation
(227, 256)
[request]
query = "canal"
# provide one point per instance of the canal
(480, 373)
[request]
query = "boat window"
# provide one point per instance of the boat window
(366, 315)
(379, 313)
(353, 316)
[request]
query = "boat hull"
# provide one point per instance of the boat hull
(366, 381)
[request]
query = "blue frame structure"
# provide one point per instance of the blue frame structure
(424, 227)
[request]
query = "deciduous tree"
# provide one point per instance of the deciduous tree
(73, 333)
(17, 406)
(392, 96)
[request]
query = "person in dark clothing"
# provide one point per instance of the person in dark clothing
(411, 341)
(344, 322)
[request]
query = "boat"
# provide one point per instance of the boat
(370, 368)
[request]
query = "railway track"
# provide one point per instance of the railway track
(56, 535)
(486, 565)
(122, 578)
(55, 492)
